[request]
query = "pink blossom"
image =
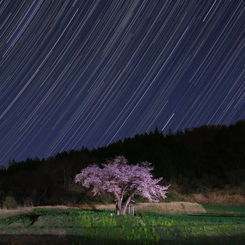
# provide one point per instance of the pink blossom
(123, 181)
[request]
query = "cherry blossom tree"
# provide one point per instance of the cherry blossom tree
(123, 181)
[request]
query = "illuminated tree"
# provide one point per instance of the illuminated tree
(123, 181)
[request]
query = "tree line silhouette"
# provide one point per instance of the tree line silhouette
(198, 159)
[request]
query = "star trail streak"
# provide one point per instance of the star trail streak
(88, 73)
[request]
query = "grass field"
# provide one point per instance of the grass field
(225, 210)
(220, 225)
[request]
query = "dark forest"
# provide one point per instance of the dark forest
(197, 160)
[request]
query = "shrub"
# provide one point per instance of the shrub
(9, 203)
(107, 198)
(174, 196)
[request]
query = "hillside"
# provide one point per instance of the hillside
(194, 160)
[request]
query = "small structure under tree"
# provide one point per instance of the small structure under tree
(122, 180)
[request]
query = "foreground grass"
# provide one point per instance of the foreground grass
(74, 226)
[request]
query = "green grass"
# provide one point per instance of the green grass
(225, 210)
(71, 226)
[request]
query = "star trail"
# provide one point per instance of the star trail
(88, 73)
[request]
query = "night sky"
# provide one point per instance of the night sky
(88, 73)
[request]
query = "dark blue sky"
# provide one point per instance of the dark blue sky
(88, 73)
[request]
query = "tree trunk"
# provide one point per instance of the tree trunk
(126, 205)
(122, 208)
(119, 204)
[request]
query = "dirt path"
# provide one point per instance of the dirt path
(21, 210)
(170, 208)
